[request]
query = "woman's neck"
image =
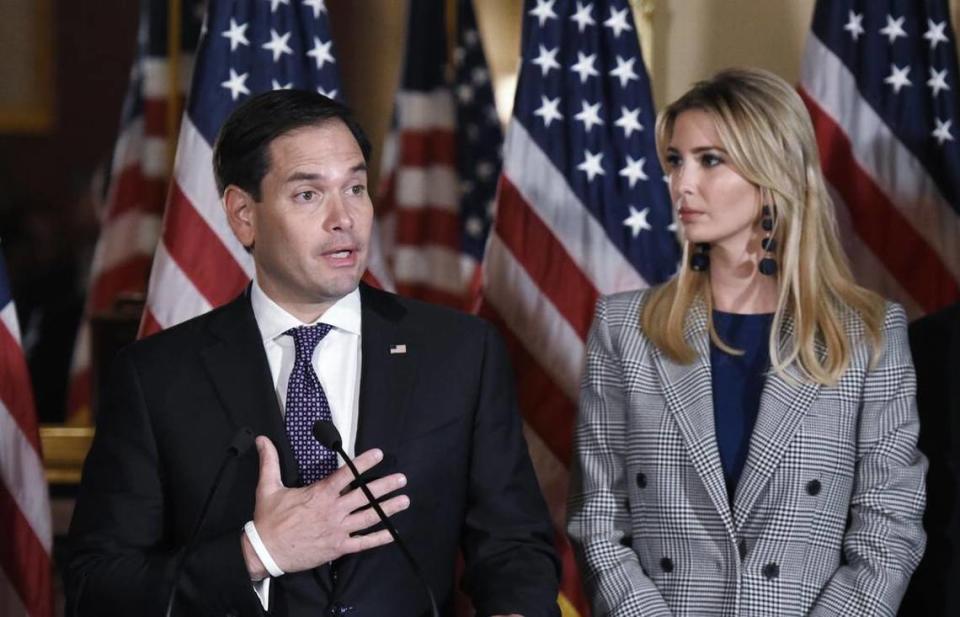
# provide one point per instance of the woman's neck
(737, 286)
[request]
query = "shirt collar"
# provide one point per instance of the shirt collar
(273, 320)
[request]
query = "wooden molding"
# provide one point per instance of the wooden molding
(64, 450)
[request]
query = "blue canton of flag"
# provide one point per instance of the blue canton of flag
(479, 138)
(258, 45)
(584, 97)
(880, 81)
(903, 57)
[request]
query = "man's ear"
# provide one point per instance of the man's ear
(241, 215)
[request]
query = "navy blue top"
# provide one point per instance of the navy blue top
(737, 384)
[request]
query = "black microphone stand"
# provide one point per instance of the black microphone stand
(240, 443)
(329, 437)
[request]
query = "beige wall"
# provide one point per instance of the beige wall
(694, 38)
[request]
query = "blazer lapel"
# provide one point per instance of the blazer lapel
(783, 404)
(235, 361)
(387, 372)
(689, 394)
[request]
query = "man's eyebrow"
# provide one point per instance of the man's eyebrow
(305, 176)
(300, 176)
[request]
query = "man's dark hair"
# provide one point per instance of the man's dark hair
(240, 156)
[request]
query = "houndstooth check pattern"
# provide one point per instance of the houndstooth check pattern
(307, 403)
(826, 519)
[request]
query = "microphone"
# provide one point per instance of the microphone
(329, 437)
(241, 442)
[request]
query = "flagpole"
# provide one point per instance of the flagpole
(174, 19)
(451, 15)
(643, 11)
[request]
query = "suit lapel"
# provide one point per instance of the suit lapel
(235, 361)
(689, 395)
(783, 404)
(386, 380)
(387, 372)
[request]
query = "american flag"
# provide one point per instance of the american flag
(25, 563)
(880, 81)
(582, 210)
(247, 46)
(139, 173)
(441, 160)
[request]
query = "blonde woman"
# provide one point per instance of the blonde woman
(746, 443)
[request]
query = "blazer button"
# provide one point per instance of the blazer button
(771, 571)
(339, 610)
(641, 480)
(666, 564)
(813, 487)
(742, 549)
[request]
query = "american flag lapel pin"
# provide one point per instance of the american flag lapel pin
(398, 349)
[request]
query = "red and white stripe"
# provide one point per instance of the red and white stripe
(25, 551)
(418, 209)
(899, 231)
(199, 263)
(130, 220)
(547, 261)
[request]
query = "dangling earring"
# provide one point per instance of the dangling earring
(768, 265)
(700, 259)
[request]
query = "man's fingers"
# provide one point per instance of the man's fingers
(368, 516)
(365, 542)
(367, 460)
(269, 466)
(379, 487)
(342, 477)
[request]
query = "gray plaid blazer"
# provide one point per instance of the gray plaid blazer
(826, 519)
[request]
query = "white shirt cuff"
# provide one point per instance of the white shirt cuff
(262, 589)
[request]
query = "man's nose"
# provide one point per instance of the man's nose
(338, 215)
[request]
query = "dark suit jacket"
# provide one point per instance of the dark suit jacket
(935, 343)
(444, 413)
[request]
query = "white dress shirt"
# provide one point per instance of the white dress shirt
(336, 361)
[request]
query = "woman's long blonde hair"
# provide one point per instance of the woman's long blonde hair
(766, 131)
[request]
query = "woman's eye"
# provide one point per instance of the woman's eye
(710, 160)
(358, 189)
(673, 160)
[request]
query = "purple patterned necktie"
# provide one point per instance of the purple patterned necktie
(307, 403)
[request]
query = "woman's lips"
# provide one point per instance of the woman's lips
(686, 214)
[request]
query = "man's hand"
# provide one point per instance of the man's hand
(305, 527)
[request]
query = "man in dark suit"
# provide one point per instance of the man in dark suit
(935, 344)
(423, 392)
